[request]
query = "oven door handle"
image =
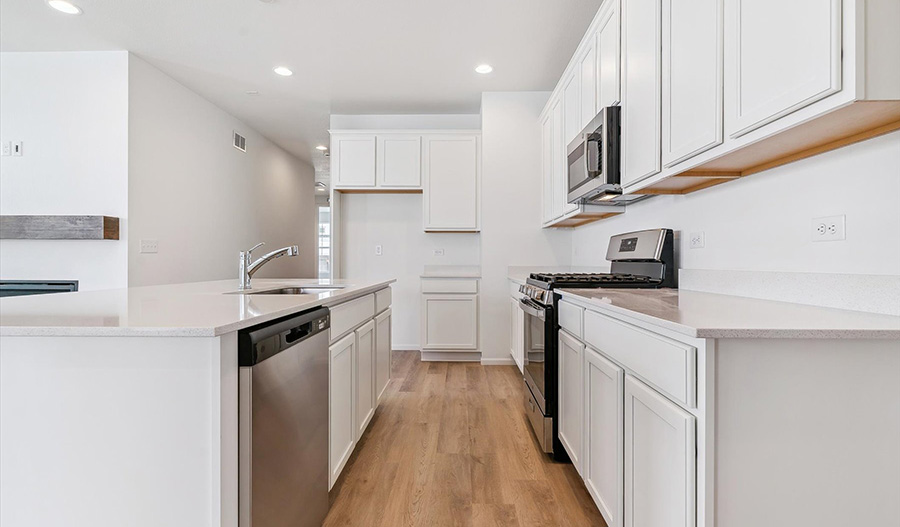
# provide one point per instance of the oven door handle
(531, 308)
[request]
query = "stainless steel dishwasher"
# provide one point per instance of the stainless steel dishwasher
(283, 419)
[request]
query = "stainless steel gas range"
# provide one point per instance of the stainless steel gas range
(642, 259)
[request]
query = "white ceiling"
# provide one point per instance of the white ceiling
(348, 56)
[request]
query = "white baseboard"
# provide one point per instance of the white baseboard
(451, 356)
(494, 361)
(397, 347)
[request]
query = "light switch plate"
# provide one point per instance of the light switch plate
(149, 246)
(6, 148)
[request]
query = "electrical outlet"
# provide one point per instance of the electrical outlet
(6, 148)
(698, 240)
(379, 250)
(829, 228)
(17, 148)
(438, 252)
(149, 246)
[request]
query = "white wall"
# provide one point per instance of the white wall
(763, 222)
(511, 209)
(70, 110)
(394, 221)
(202, 199)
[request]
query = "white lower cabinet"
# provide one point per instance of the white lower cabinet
(359, 369)
(365, 376)
(342, 355)
(571, 398)
(604, 435)
(449, 315)
(660, 460)
(382, 353)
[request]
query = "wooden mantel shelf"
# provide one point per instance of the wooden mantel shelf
(59, 228)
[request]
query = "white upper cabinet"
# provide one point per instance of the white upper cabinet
(660, 460)
(692, 78)
(641, 89)
(608, 55)
(547, 163)
(452, 182)
(588, 77)
(399, 161)
(780, 57)
(353, 160)
(558, 177)
(571, 108)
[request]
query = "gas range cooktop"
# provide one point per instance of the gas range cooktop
(642, 259)
(575, 280)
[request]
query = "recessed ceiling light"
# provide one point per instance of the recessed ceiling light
(484, 68)
(66, 7)
(284, 72)
(251, 92)
(322, 148)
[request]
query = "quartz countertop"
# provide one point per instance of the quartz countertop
(710, 315)
(201, 309)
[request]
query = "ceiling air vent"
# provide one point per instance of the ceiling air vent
(240, 142)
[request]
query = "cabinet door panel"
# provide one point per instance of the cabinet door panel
(782, 56)
(365, 376)
(559, 179)
(571, 107)
(692, 78)
(450, 322)
(571, 412)
(660, 460)
(451, 183)
(588, 76)
(547, 167)
(383, 350)
(353, 160)
(604, 433)
(340, 405)
(399, 161)
(641, 89)
(608, 56)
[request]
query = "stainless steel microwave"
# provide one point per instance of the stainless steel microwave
(593, 158)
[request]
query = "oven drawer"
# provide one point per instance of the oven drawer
(667, 364)
(542, 426)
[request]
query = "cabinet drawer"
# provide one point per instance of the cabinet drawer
(668, 365)
(450, 285)
(382, 299)
(348, 315)
(570, 318)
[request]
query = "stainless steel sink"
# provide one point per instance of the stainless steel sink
(304, 290)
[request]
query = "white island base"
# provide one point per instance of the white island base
(120, 407)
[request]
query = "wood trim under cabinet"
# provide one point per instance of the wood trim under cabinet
(59, 228)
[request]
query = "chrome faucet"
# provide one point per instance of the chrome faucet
(248, 268)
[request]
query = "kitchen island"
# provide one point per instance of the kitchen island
(120, 407)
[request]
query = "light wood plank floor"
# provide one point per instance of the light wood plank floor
(450, 445)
